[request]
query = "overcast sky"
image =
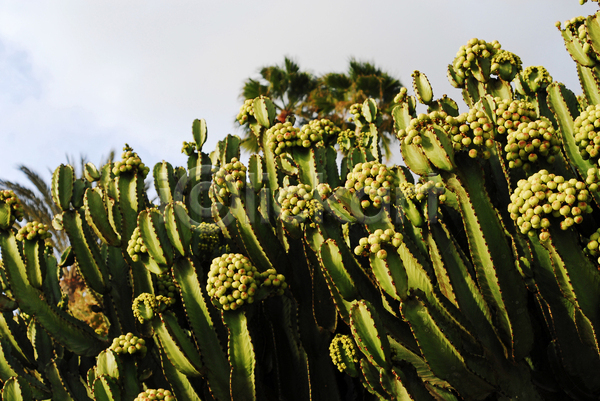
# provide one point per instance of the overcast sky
(83, 77)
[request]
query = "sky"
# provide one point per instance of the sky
(82, 78)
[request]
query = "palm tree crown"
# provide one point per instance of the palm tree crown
(300, 94)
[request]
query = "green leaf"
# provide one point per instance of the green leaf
(200, 133)
(332, 261)
(449, 106)
(106, 389)
(422, 87)
(16, 389)
(340, 205)
(164, 181)
(63, 180)
(60, 390)
(98, 217)
(35, 262)
(177, 225)
(180, 384)
(415, 158)
(438, 148)
(369, 333)
(154, 235)
(264, 111)
(593, 30)
(371, 379)
(241, 356)
(86, 250)
(588, 77)
(256, 172)
(107, 363)
(177, 345)
(79, 187)
(390, 273)
(444, 359)
(201, 324)
(499, 281)
(369, 110)
(310, 171)
(575, 48)
(63, 327)
(12, 333)
(401, 115)
(467, 295)
(577, 277)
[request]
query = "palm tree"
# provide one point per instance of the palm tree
(300, 94)
(287, 86)
(336, 92)
(38, 205)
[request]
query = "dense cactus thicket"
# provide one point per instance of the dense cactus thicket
(470, 273)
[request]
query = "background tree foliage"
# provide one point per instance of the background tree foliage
(300, 94)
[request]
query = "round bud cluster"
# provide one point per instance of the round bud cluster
(275, 281)
(315, 212)
(408, 190)
(587, 132)
(472, 132)
(531, 141)
(152, 395)
(346, 139)
(188, 148)
(90, 172)
(316, 131)
(33, 230)
(14, 206)
(535, 78)
(422, 190)
(232, 281)
(129, 344)
(283, 136)
(511, 113)
(401, 96)
(233, 172)
(246, 112)
(506, 65)
(345, 354)
(375, 180)
(592, 179)
(423, 122)
(578, 30)
(355, 111)
(294, 201)
(373, 243)
(146, 305)
(165, 285)
(592, 246)
(130, 162)
(136, 246)
(208, 237)
(467, 56)
(545, 195)
(324, 190)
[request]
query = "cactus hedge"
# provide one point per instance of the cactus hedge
(314, 271)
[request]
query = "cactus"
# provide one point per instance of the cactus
(470, 273)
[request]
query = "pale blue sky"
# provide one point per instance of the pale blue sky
(86, 77)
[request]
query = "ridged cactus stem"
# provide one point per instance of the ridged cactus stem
(500, 283)
(217, 371)
(67, 330)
